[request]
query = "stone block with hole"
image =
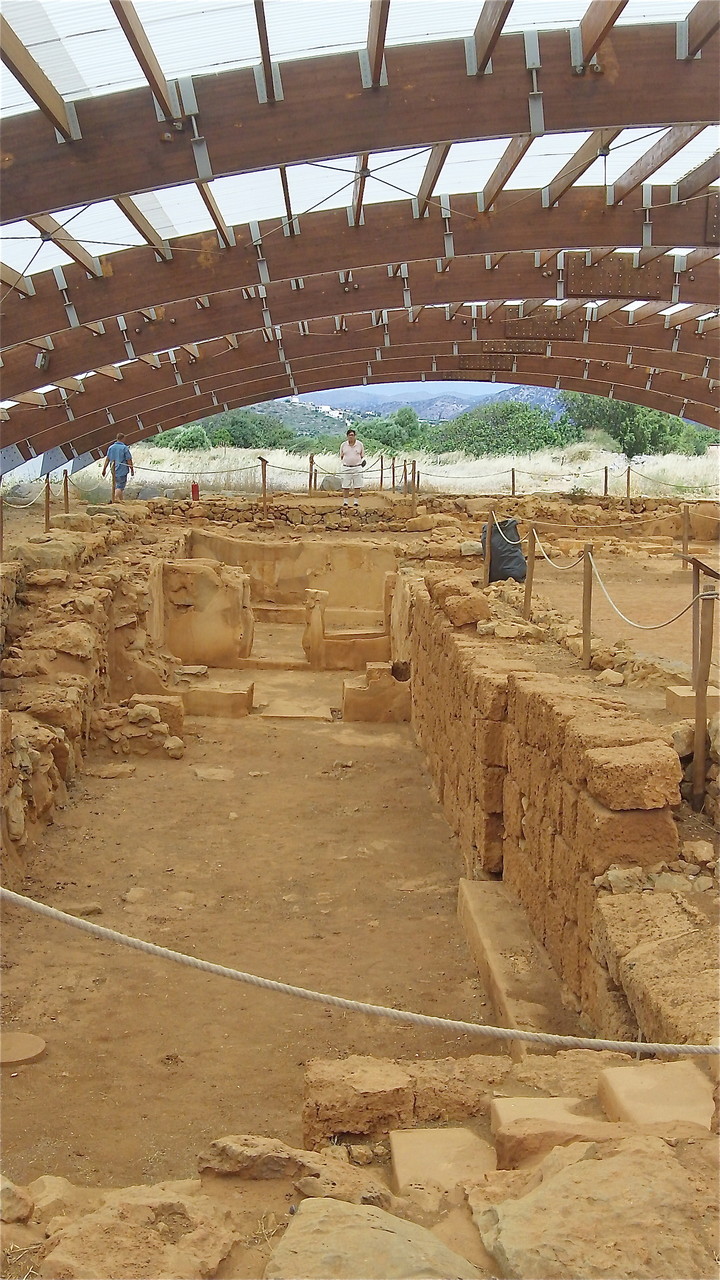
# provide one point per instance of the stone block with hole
(657, 1093)
(438, 1157)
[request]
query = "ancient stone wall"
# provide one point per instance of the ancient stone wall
(544, 782)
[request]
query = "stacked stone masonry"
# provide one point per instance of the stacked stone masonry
(545, 782)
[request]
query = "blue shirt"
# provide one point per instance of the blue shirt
(121, 456)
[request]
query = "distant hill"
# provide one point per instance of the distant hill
(536, 397)
(317, 412)
(305, 417)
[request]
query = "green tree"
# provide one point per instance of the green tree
(636, 428)
(193, 437)
(505, 426)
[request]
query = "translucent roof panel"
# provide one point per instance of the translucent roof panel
(628, 147)
(469, 165)
(175, 211)
(297, 30)
(320, 186)
(192, 37)
(705, 145)
(545, 157)
(103, 228)
(250, 196)
(397, 175)
(411, 21)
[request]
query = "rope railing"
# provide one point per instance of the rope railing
(355, 1006)
(512, 542)
(642, 626)
(562, 567)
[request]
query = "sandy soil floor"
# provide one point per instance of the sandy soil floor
(290, 865)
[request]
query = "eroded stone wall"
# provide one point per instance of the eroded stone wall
(543, 781)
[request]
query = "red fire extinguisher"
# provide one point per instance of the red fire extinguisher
(195, 491)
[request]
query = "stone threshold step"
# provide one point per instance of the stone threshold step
(289, 709)
(524, 989)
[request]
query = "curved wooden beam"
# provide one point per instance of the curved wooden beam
(135, 280)
(430, 98)
(178, 384)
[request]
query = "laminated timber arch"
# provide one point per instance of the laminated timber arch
(371, 292)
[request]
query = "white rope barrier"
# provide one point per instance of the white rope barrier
(653, 626)
(555, 565)
(512, 542)
(354, 1006)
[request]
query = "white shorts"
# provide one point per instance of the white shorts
(352, 478)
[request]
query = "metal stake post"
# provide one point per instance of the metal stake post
(512, 482)
(393, 474)
(627, 489)
(695, 621)
(263, 466)
(703, 675)
(382, 470)
(413, 508)
(311, 464)
(587, 606)
(66, 493)
(606, 484)
(47, 503)
(488, 549)
(685, 533)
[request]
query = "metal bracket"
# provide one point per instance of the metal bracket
(174, 103)
(682, 42)
(366, 74)
(471, 62)
(261, 87)
(416, 209)
(75, 134)
(351, 217)
(291, 228)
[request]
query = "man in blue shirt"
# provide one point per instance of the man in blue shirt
(119, 458)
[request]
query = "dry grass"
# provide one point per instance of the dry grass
(579, 469)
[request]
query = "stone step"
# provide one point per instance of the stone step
(525, 991)
(438, 1157)
(657, 1092)
(526, 1129)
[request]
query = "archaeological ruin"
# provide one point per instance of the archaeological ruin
(360, 899)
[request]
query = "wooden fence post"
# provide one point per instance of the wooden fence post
(263, 468)
(47, 503)
(606, 484)
(488, 549)
(685, 528)
(393, 475)
(703, 675)
(382, 470)
(315, 479)
(66, 493)
(311, 465)
(627, 489)
(413, 508)
(527, 604)
(405, 477)
(512, 482)
(587, 606)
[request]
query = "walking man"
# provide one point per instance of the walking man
(352, 458)
(119, 458)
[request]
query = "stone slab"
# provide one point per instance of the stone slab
(17, 1047)
(291, 709)
(657, 1092)
(218, 702)
(523, 986)
(680, 700)
(170, 707)
(438, 1157)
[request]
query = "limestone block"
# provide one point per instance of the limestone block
(371, 1096)
(378, 697)
(438, 1157)
(622, 922)
(56, 1197)
(670, 1008)
(644, 776)
(657, 1093)
(143, 712)
(16, 1203)
(218, 701)
(584, 734)
(489, 780)
(491, 742)
(329, 1239)
(147, 1230)
(640, 837)
(606, 1004)
(559, 1225)
(680, 700)
(487, 835)
(169, 707)
(79, 521)
(525, 1129)
(468, 608)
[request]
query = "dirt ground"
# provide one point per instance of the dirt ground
(294, 866)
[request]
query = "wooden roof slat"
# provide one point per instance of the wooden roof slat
(12, 279)
(488, 30)
(596, 23)
(361, 176)
(51, 229)
(579, 163)
(433, 169)
(702, 176)
(136, 36)
(286, 197)
(264, 49)
(702, 23)
(663, 150)
(377, 29)
(23, 66)
(227, 235)
(142, 225)
(505, 168)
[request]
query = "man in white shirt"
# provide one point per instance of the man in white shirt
(352, 459)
